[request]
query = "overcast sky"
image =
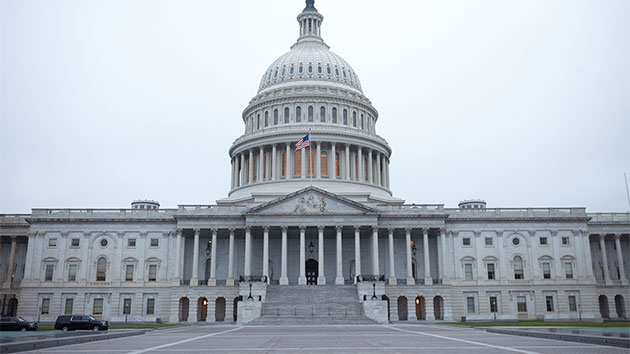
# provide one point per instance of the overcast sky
(521, 103)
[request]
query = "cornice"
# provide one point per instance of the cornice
(454, 220)
(102, 220)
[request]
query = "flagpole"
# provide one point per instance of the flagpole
(310, 149)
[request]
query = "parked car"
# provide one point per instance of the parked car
(74, 322)
(17, 324)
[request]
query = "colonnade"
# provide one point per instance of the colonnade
(10, 268)
(621, 272)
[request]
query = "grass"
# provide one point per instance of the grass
(127, 326)
(542, 324)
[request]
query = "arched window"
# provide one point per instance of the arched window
(322, 114)
(324, 163)
(362, 125)
(301, 69)
(258, 122)
(309, 162)
(292, 70)
(337, 171)
(286, 115)
(334, 115)
(328, 70)
(266, 119)
(345, 117)
(297, 163)
(284, 70)
(275, 117)
(298, 114)
(284, 164)
(319, 68)
(101, 269)
(518, 267)
(310, 68)
(354, 119)
(310, 113)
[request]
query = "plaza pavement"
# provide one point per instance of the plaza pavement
(397, 338)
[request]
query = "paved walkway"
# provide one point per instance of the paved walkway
(330, 339)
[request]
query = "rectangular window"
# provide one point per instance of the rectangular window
(49, 272)
(572, 303)
(150, 306)
(72, 272)
(127, 307)
(549, 303)
(565, 241)
(489, 241)
(284, 164)
(568, 270)
(466, 241)
(469, 271)
(129, 272)
(491, 274)
(494, 304)
(546, 270)
(131, 242)
(75, 242)
(470, 304)
(45, 310)
(324, 164)
(543, 241)
(152, 272)
(52, 242)
(155, 242)
(68, 307)
(297, 166)
(97, 307)
(521, 304)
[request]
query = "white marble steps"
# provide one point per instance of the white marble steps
(312, 304)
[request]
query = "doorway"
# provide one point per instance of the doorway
(312, 271)
(219, 309)
(202, 309)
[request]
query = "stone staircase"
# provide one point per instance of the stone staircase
(312, 305)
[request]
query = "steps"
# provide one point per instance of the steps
(312, 305)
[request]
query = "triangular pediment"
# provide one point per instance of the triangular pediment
(312, 201)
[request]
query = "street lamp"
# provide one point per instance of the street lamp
(311, 248)
(209, 248)
(414, 249)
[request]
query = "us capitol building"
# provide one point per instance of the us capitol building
(314, 235)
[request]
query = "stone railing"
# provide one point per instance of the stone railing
(413, 208)
(610, 217)
(515, 212)
(121, 213)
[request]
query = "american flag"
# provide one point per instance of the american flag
(303, 143)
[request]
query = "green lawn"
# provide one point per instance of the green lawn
(127, 326)
(542, 324)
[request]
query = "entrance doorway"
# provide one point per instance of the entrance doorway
(312, 271)
(202, 309)
(219, 309)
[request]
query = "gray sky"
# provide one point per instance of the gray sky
(522, 103)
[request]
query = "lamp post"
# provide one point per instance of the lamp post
(374, 292)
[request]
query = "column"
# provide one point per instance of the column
(382, 172)
(346, 171)
(250, 170)
(266, 253)
(213, 260)
(247, 269)
(339, 278)
(586, 247)
(602, 245)
(243, 179)
(387, 174)
(332, 170)
(274, 162)
(302, 277)
(443, 253)
(230, 275)
(427, 264)
(233, 174)
(194, 281)
(318, 161)
(357, 252)
(321, 278)
(261, 165)
(410, 279)
(375, 265)
(377, 177)
(287, 161)
(392, 265)
(622, 272)
(284, 280)
(360, 164)
(7, 283)
(370, 172)
(178, 252)
(303, 159)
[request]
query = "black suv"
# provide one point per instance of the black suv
(71, 323)
(17, 324)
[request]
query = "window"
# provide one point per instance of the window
(45, 310)
(337, 170)
(328, 71)
(466, 241)
(470, 304)
(48, 276)
(152, 272)
(292, 69)
(297, 165)
(310, 68)
(266, 119)
(127, 307)
(72, 272)
(572, 303)
(322, 114)
(286, 115)
(68, 307)
(319, 68)
(310, 113)
(103, 242)
(155, 242)
(566, 241)
(301, 69)
(491, 274)
(258, 121)
(345, 117)
(284, 164)
(298, 114)
(521, 304)
(101, 269)
(276, 117)
(518, 267)
(549, 303)
(362, 122)
(494, 304)
(516, 241)
(354, 119)
(546, 270)
(150, 306)
(324, 163)
(334, 115)
(97, 306)
(129, 272)
(489, 241)
(543, 241)
(52, 242)
(75, 242)
(468, 271)
(568, 270)
(131, 242)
